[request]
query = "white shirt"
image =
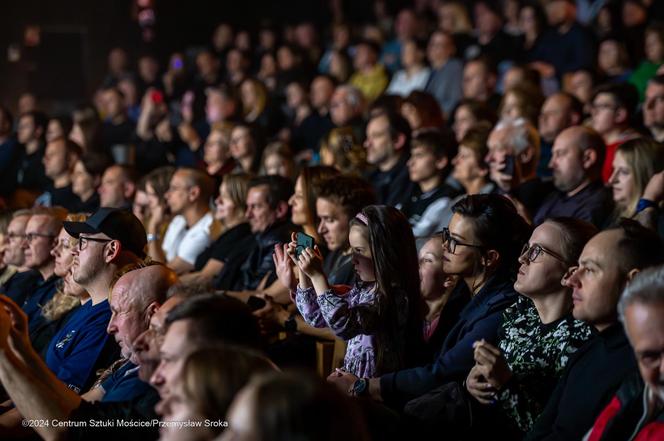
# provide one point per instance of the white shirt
(186, 243)
(402, 85)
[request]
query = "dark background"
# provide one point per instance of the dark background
(76, 36)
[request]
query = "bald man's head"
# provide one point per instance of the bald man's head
(135, 297)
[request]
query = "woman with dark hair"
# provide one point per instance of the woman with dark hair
(538, 332)
(421, 110)
(292, 406)
(236, 238)
(379, 315)
(480, 246)
(303, 200)
(246, 148)
(86, 179)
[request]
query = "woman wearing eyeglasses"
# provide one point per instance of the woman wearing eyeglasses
(481, 247)
(537, 334)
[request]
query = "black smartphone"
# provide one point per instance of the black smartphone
(508, 169)
(303, 241)
(256, 303)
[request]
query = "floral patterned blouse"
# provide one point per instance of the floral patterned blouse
(536, 353)
(354, 315)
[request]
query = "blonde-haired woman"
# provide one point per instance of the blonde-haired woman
(341, 149)
(69, 294)
(635, 162)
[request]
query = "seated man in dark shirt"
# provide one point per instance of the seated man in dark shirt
(388, 147)
(41, 233)
(429, 207)
(24, 279)
(268, 215)
(59, 159)
(514, 151)
(608, 262)
(577, 159)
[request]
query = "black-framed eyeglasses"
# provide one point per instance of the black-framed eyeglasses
(83, 241)
(14, 236)
(30, 237)
(451, 243)
(532, 252)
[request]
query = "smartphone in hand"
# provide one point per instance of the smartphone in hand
(303, 241)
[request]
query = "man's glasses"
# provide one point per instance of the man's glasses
(532, 252)
(83, 241)
(451, 243)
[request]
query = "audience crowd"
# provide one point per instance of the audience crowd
(441, 221)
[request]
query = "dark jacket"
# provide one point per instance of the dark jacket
(591, 378)
(260, 263)
(392, 187)
(480, 319)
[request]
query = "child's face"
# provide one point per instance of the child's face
(362, 259)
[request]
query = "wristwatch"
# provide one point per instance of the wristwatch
(290, 324)
(152, 237)
(360, 387)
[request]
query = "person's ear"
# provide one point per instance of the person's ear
(620, 116)
(149, 312)
(282, 209)
(527, 155)
(128, 189)
(589, 158)
(399, 142)
(631, 274)
(194, 193)
(112, 250)
(490, 258)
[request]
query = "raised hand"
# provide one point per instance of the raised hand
(284, 266)
(17, 321)
(310, 262)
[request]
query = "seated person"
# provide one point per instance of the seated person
(577, 158)
(378, 315)
(607, 263)
(189, 232)
(538, 333)
(267, 214)
(484, 255)
(444, 298)
(24, 279)
(429, 208)
(235, 241)
(636, 409)
(338, 202)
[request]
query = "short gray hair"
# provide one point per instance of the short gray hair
(646, 288)
(521, 133)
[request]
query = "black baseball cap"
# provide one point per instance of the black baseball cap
(118, 224)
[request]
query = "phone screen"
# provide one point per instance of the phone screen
(303, 241)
